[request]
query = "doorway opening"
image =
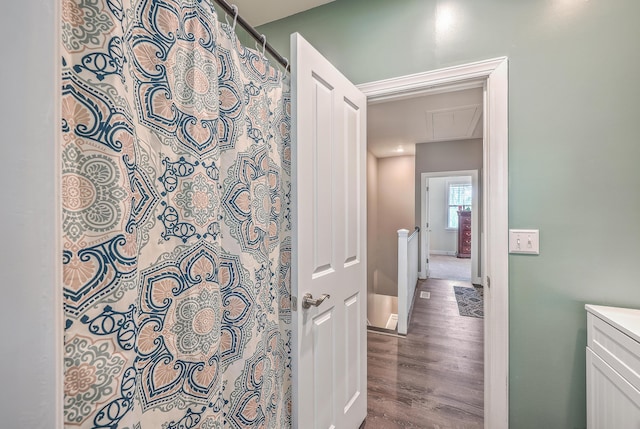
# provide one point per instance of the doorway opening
(448, 205)
(492, 77)
(451, 216)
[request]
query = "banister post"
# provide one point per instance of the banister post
(403, 271)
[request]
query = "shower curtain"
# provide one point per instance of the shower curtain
(175, 198)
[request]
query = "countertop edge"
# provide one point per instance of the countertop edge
(626, 320)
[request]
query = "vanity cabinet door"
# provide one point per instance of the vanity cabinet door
(612, 402)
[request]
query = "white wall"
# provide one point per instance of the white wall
(395, 211)
(28, 120)
(442, 240)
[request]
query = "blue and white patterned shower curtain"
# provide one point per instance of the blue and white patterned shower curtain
(175, 195)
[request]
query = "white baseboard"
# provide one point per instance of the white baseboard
(392, 322)
(443, 252)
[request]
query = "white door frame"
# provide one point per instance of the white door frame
(492, 75)
(424, 252)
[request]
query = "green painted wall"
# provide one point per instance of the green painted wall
(574, 147)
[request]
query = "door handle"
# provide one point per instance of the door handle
(308, 300)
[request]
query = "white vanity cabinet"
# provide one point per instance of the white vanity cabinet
(613, 368)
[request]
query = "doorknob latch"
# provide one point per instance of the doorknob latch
(308, 300)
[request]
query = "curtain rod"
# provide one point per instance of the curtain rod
(229, 9)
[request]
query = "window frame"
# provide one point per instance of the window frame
(447, 195)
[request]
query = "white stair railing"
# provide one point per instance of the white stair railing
(407, 275)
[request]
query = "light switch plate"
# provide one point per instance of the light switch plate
(525, 241)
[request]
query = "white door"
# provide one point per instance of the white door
(329, 248)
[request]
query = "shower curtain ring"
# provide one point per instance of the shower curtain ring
(235, 17)
(264, 44)
(286, 67)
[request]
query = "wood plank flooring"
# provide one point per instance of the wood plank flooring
(433, 378)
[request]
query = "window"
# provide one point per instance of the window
(458, 196)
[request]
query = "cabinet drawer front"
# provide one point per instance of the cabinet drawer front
(611, 401)
(617, 349)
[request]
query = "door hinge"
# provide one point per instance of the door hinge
(427, 189)
(294, 303)
(488, 281)
(427, 225)
(427, 260)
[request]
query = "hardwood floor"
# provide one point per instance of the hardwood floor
(433, 378)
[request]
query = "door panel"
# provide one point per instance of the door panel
(353, 331)
(322, 123)
(324, 370)
(329, 150)
(352, 120)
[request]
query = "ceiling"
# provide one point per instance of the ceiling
(394, 127)
(258, 12)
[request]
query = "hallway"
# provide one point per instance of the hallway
(433, 378)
